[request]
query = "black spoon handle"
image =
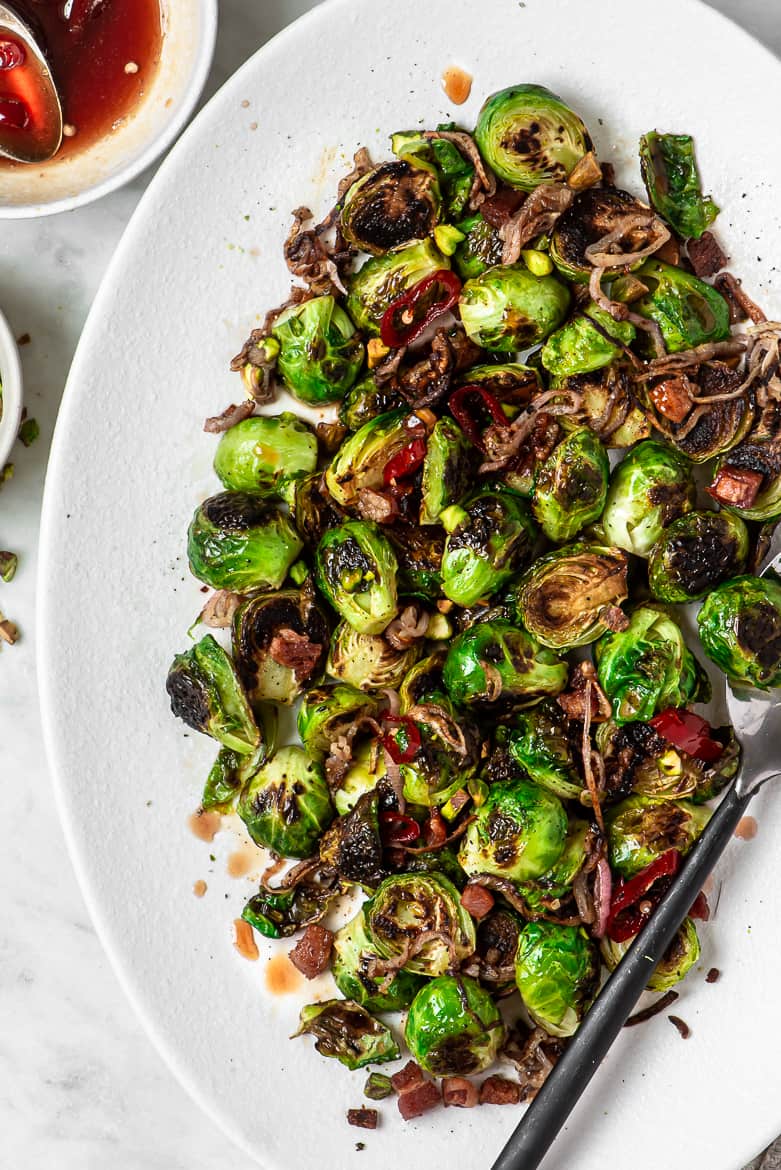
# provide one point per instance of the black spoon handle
(553, 1104)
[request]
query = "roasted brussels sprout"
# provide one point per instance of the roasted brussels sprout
(494, 660)
(361, 460)
(382, 279)
(607, 405)
(351, 966)
(673, 183)
(236, 542)
(445, 756)
(453, 1027)
(282, 913)
(346, 1030)
(513, 383)
(748, 481)
(352, 846)
(447, 470)
(557, 973)
(491, 542)
(518, 832)
(570, 597)
(366, 400)
(506, 308)
(328, 712)
(419, 551)
(356, 572)
(409, 906)
(640, 829)
(280, 643)
(206, 693)
(367, 661)
(704, 431)
(423, 682)
(262, 453)
(679, 958)
(647, 667)
(540, 741)
(286, 805)
(391, 205)
(557, 881)
(481, 247)
(695, 554)
(570, 487)
(649, 489)
(313, 509)
(366, 769)
(740, 630)
(688, 311)
(528, 136)
(583, 344)
(320, 353)
(638, 759)
(594, 214)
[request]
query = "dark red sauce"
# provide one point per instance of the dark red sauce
(103, 56)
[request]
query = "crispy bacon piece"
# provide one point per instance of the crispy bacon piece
(499, 1091)
(363, 1118)
(736, 485)
(229, 417)
(706, 255)
(296, 652)
(573, 701)
(415, 1102)
(312, 953)
(477, 901)
(672, 398)
(435, 830)
(408, 1077)
(460, 1092)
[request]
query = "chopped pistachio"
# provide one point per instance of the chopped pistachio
(8, 565)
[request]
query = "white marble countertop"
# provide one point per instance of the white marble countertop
(81, 1087)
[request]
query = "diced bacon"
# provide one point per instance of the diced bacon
(415, 1102)
(672, 398)
(477, 901)
(460, 1092)
(312, 953)
(408, 1077)
(363, 1118)
(435, 829)
(736, 485)
(705, 255)
(499, 1091)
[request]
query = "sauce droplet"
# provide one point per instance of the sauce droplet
(242, 861)
(281, 976)
(204, 825)
(13, 113)
(457, 84)
(747, 829)
(199, 888)
(12, 54)
(244, 940)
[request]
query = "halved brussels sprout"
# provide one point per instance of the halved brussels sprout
(282, 913)
(506, 308)
(423, 682)
(383, 279)
(679, 958)
(446, 756)
(640, 830)
(529, 136)
(647, 667)
(638, 759)
(367, 661)
(482, 247)
(583, 344)
(442, 157)
(351, 964)
(695, 554)
(407, 907)
(419, 552)
(286, 805)
(740, 630)
(320, 353)
(513, 383)
(570, 487)
(361, 460)
(494, 660)
(236, 542)
(447, 470)
(262, 453)
(313, 509)
(453, 1027)
(607, 405)
(328, 712)
(649, 489)
(594, 214)
(762, 457)
(352, 846)
(280, 643)
(540, 741)
(346, 1030)
(719, 426)
(688, 311)
(356, 572)
(570, 597)
(391, 205)
(366, 400)
(673, 184)
(518, 833)
(366, 769)
(491, 542)
(206, 693)
(557, 974)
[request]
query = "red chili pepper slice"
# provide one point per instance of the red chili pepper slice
(472, 407)
(398, 829)
(627, 918)
(407, 316)
(405, 462)
(406, 730)
(688, 732)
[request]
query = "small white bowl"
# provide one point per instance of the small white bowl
(11, 378)
(189, 32)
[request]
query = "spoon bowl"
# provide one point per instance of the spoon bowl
(30, 110)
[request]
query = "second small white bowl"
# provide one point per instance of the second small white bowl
(11, 379)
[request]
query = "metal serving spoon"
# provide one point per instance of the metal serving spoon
(30, 110)
(755, 717)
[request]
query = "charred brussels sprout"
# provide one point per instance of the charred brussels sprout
(695, 554)
(640, 830)
(638, 759)
(356, 572)
(518, 832)
(584, 344)
(423, 681)
(383, 279)
(711, 431)
(366, 769)
(649, 489)
(740, 630)
(206, 693)
(570, 597)
(594, 214)
(454, 1027)
(351, 966)
(506, 308)
(408, 906)
(446, 756)
(647, 667)
(442, 158)
(513, 383)
(261, 454)
(365, 401)
(481, 247)
(346, 1030)
(529, 136)
(320, 354)
(352, 845)
(493, 660)
(489, 544)
(313, 509)
(673, 183)
(282, 913)
(607, 405)
(557, 973)
(688, 311)
(446, 470)
(752, 472)
(328, 712)
(361, 460)
(367, 661)
(419, 553)
(286, 806)
(391, 205)
(280, 643)
(679, 958)
(570, 487)
(539, 741)
(236, 542)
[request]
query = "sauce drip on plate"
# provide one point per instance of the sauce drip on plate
(457, 84)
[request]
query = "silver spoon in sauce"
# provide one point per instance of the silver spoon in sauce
(30, 110)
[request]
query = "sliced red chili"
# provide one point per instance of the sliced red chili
(403, 741)
(405, 462)
(411, 313)
(635, 900)
(688, 732)
(398, 829)
(474, 408)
